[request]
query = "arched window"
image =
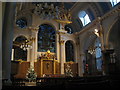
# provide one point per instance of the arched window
(22, 23)
(69, 51)
(114, 2)
(68, 29)
(46, 38)
(83, 16)
(18, 52)
(98, 54)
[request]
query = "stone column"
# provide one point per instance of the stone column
(57, 47)
(33, 39)
(28, 54)
(36, 42)
(35, 35)
(8, 27)
(62, 61)
(1, 7)
(76, 50)
(32, 54)
(62, 49)
(80, 64)
(79, 57)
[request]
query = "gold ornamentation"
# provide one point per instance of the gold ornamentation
(20, 60)
(70, 62)
(62, 31)
(48, 54)
(63, 21)
(62, 42)
(50, 11)
(48, 51)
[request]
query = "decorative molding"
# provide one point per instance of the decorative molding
(33, 28)
(110, 13)
(95, 9)
(62, 31)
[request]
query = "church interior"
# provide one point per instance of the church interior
(60, 45)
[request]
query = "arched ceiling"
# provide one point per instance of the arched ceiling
(93, 9)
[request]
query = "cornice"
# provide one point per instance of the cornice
(112, 12)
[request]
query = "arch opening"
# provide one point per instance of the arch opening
(18, 52)
(69, 48)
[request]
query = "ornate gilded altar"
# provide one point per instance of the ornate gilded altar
(47, 65)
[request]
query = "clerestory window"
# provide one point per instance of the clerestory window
(98, 55)
(83, 16)
(114, 2)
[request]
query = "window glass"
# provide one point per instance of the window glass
(114, 2)
(68, 29)
(84, 18)
(98, 55)
(46, 38)
(22, 23)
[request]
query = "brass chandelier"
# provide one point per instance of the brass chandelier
(27, 44)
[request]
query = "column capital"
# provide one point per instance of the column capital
(62, 31)
(62, 42)
(33, 29)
